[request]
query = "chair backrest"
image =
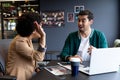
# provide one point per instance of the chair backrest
(4, 45)
(117, 43)
(2, 70)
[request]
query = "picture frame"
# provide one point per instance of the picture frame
(53, 18)
(77, 9)
(70, 17)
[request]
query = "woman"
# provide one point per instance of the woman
(22, 57)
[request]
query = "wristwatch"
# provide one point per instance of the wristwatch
(41, 49)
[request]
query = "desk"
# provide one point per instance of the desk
(45, 75)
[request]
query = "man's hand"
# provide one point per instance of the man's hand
(90, 49)
(76, 56)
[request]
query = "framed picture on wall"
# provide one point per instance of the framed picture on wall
(52, 18)
(70, 17)
(77, 9)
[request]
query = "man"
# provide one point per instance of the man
(80, 43)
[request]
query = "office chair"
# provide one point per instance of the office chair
(3, 56)
(117, 43)
(3, 76)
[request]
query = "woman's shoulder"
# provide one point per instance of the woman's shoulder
(20, 39)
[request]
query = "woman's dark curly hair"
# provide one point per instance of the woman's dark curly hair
(25, 23)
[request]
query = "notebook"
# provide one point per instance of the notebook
(103, 60)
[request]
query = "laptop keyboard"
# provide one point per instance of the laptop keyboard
(87, 69)
(82, 68)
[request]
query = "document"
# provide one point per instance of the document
(58, 70)
(81, 67)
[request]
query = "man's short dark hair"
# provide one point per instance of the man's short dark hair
(86, 12)
(25, 23)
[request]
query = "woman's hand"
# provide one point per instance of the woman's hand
(42, 34)
(39, 29)
(37, 69)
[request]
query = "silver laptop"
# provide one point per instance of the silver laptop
(102, 60)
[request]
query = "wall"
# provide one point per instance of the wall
(106, 19)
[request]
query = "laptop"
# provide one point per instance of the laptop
(103, 60)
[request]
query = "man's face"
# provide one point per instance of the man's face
(84, 23)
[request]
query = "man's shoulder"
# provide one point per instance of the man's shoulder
(73, 33)
(97, 31)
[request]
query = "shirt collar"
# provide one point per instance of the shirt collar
(92, 30)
